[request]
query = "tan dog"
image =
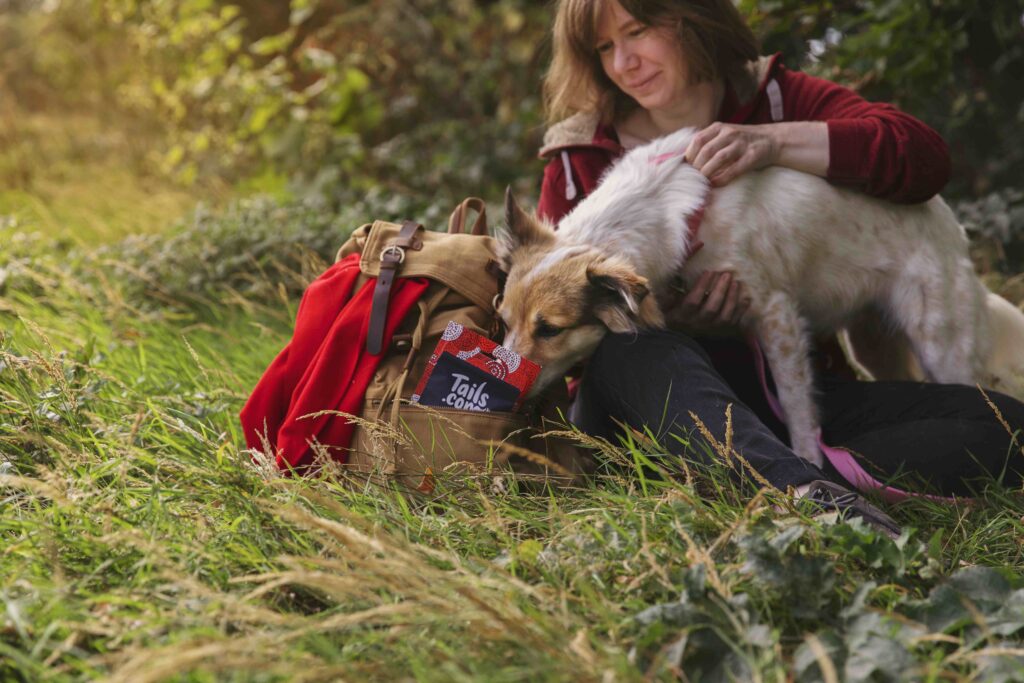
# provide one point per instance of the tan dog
(560, 300)
(812, 255)
(880, 352)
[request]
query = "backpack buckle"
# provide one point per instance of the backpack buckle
(397, 254)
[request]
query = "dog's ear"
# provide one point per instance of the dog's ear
(618, 293)
(522, 229)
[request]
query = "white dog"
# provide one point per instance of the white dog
(812, 256)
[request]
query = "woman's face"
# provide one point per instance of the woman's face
(645, 62)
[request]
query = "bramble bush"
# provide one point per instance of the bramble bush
(955, 64)
(995, 223)
(260, 248)
(424, 97)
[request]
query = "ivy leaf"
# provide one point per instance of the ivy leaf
(1000, 665)
(1009, 618)
(971, 594)
(878, 659)
(805, 582)
(984, 586)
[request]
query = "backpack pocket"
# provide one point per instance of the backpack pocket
(425, 442)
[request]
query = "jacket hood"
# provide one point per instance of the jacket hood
(584, 128)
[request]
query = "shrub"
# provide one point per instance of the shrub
(259, 249)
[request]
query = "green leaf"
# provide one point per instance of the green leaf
(272, 45)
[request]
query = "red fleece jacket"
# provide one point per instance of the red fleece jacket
(872, 147)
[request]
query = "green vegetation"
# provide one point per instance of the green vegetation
(175, 173)
(141, 542)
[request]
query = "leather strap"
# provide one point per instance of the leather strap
(457, 221)
(391, 259)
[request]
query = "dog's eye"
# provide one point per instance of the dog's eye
(546, 331)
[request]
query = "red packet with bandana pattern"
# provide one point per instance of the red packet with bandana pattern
(470, 372)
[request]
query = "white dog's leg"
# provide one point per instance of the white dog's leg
(787, 347)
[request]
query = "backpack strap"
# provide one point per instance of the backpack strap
(391, 259)
(457, 221)
(393, 394)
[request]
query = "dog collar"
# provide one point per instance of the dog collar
(693, 222)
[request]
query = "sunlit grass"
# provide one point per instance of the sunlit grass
(85, 180)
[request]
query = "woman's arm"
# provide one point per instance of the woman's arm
(724, 151)
(883, 151)
(834, 133)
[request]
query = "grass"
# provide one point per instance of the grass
(142, 543)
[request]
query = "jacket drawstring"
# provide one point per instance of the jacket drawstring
(775, 99)
(570, 186)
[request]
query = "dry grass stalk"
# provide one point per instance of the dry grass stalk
(727, 456)
(195, 358)
(748, 512)
(728, 430)
(384, 562)
(596, 443)
(338, 508)
(45, 489)
(376, 429)
(251, 651)
(825, 663)
(1002, 420)
(391, 565)
(697, 555)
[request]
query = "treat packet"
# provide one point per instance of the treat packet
(470, 372)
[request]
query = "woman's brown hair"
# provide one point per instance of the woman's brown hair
(714, 38)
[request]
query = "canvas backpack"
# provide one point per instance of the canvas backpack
(410, 284)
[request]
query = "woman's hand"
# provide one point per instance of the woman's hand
(723, 151)
(715, 304)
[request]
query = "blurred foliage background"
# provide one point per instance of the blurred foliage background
(433, 100)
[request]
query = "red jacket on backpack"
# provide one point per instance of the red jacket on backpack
(302, 400)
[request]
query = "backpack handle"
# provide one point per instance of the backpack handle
(457, 221)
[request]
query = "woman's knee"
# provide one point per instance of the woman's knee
(632, 376)
(660, 351)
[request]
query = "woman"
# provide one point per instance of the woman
(627, 71)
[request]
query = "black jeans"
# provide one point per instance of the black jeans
(942, 436)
